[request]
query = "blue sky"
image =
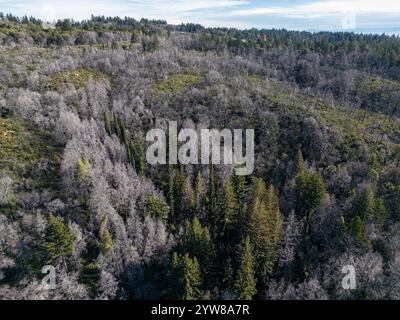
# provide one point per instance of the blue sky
(372, 16)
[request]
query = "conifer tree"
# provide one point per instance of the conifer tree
(227, 216)
(58, 239)
(212, 196)
(245, 284)
(310, 194)
(265, 227)
(197, 243)
(241, 191)
(199, 191)
(186, 280)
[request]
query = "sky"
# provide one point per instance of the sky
(368, 16)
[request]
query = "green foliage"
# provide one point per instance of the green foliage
(368, 207)
(265, 227)
(186, 278)
(196, 241)
(245, 284)
(227, 227)
(82, 170)
(175, 84)
(79, 78)
(357, 229)
(90, 276)
(105, 236)
(310, 193)
(156, 207)
(58, 240)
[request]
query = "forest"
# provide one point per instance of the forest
(76, 192)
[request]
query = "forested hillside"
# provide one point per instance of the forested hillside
(76, 193)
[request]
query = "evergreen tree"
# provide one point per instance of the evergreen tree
(241, 193)
(357, 229)
(265, 227)
(226, 224)
(199, 191)
(245, 284)
(197, 243)
(310, 194)
(58, 240)
(212, 196)
(364, 204)
(179, 194)
(186, 280)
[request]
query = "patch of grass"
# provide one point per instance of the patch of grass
(176, 84)
(79, 78)
(254, 80)
(29, 154)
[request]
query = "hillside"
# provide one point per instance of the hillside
(76, 192)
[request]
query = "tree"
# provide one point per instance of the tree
(212, 196)
(58, 240)
(227, 221)
(197, 243)
(368, 207)
(186, 278)
(105, 236)
(241, 192)
(245, 285)
(310, 194)
(357, 229)
(265, 227)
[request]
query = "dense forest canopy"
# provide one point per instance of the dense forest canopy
(76, 193)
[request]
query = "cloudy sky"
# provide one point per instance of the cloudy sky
(372, 16)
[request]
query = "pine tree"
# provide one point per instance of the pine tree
(265, 227)
(58, 239)
(186, 280)
(170, 196)
(245, 284)
(357, 229)
(226, 223)
(364, 204)
(241, 192)
(199, 191)
(212, 196)
(310, 194)
(368, 207)
(196, 241)
(179, 194)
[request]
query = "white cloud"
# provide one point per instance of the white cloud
(324, 8)
(174, 11)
